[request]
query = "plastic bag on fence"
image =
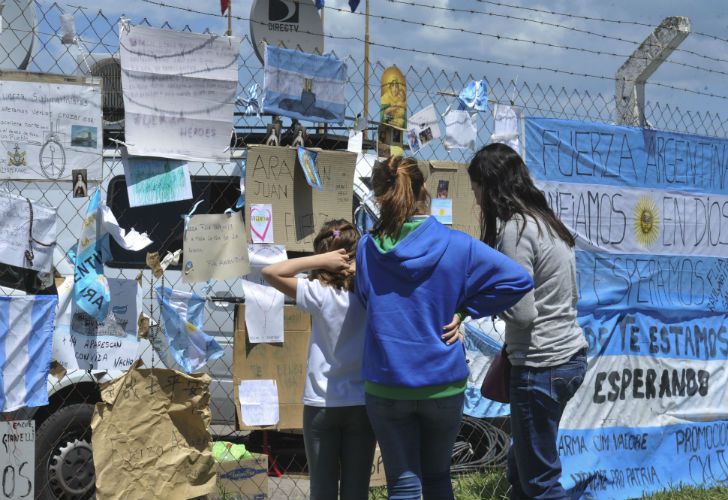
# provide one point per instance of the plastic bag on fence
(151, 438)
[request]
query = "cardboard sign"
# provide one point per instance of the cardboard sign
(17, 458)
(465, 211)
(273, 177)
(215, 247)
(244, 479)
(284, 362)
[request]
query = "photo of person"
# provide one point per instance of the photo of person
(426, 136)
(413, 141)
(443, 187)
(307, 159)
(80, 183)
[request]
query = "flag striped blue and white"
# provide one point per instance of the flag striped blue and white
(26, 333)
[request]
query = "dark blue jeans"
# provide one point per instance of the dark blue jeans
(340, 451)
(416, 440)
(538, 399)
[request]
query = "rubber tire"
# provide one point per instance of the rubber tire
(72, 420)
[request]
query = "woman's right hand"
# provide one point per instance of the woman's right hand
(335, 262)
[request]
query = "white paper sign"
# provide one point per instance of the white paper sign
(506, 125)
(263, 303)
(150, 181)
(259, 402)
(17, 459)
(80, 342)
(356, 141)
(261, 223)
(425, 125)
(15, 233)
(460, 130)
(179, 93)
(47, 130)
(214, 247)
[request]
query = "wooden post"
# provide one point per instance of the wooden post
(366, 66)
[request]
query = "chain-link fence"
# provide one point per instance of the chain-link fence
(63, 458)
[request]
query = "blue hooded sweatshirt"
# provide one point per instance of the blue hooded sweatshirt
(413, 290)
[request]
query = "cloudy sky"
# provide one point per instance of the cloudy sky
(482, 22)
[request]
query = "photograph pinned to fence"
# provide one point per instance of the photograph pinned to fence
(261, 223)
(425, 124)
(413, 141)
(80, 183)
(307, 159)
(443, 187)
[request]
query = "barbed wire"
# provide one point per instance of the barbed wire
(451, 56)
(550, 24)
(524, 40)
(590, 18)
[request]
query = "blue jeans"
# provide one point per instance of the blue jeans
(416, 439)
(538, 399)
(339, 446)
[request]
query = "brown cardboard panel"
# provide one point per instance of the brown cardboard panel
(244, 479)
(273, 176)
(465, 212)
(285, 362)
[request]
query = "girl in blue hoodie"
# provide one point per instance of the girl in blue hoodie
(414, 275)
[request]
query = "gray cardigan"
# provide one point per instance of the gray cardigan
(541, 330)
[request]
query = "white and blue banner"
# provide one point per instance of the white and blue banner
(184, 343)
(650, 212)
(26, 333)
(304, 86)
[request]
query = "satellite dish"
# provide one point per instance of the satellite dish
(17, 33)
(293, 24)
(108, 68)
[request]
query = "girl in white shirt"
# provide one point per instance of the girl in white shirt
(338, 437)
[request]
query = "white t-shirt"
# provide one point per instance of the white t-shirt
(335, 353)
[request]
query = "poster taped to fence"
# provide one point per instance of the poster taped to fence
(150, 436)
(17, 458)
(215, 247)
(150, 181)
(15, 224)
(179, 93)
(81, 342)
(47, 130)
(649, 209)
(272, 177)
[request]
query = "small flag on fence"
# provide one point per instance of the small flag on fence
(26, 332)
(224, 6)
(353, 4)
(183, 317)
(304, 86)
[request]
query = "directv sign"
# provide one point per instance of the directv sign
(293, 24)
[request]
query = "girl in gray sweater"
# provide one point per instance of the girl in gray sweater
(544, 342)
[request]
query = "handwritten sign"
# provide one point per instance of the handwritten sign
(261, 223)
(17, 459)
(272, 177)
(150, 181)
(258, 402)
(650, 212)
(215, 247)
(48, 130)
(15, 233)
(81, 342)
(179, 93)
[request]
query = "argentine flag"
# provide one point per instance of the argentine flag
(26, 333)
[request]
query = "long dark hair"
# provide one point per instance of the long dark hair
(506, 189)
(334, 235)
(399, 187)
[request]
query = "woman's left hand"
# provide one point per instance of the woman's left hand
(451, 332)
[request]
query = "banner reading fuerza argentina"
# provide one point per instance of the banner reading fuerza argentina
(650, 211)
(597, 153)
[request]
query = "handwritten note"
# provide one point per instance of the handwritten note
(261, 223)
(47, 130)
(15, 233)
(81, 342)
(215, 247)
(263, 303)
(150, 181)
(17, 458)
(259, 402)
(179, 93)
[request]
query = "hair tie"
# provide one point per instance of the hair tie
(336, 233)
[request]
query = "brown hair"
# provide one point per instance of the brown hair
(334, 235)
(399, 187)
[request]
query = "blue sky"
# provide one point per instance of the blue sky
(706, 16)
